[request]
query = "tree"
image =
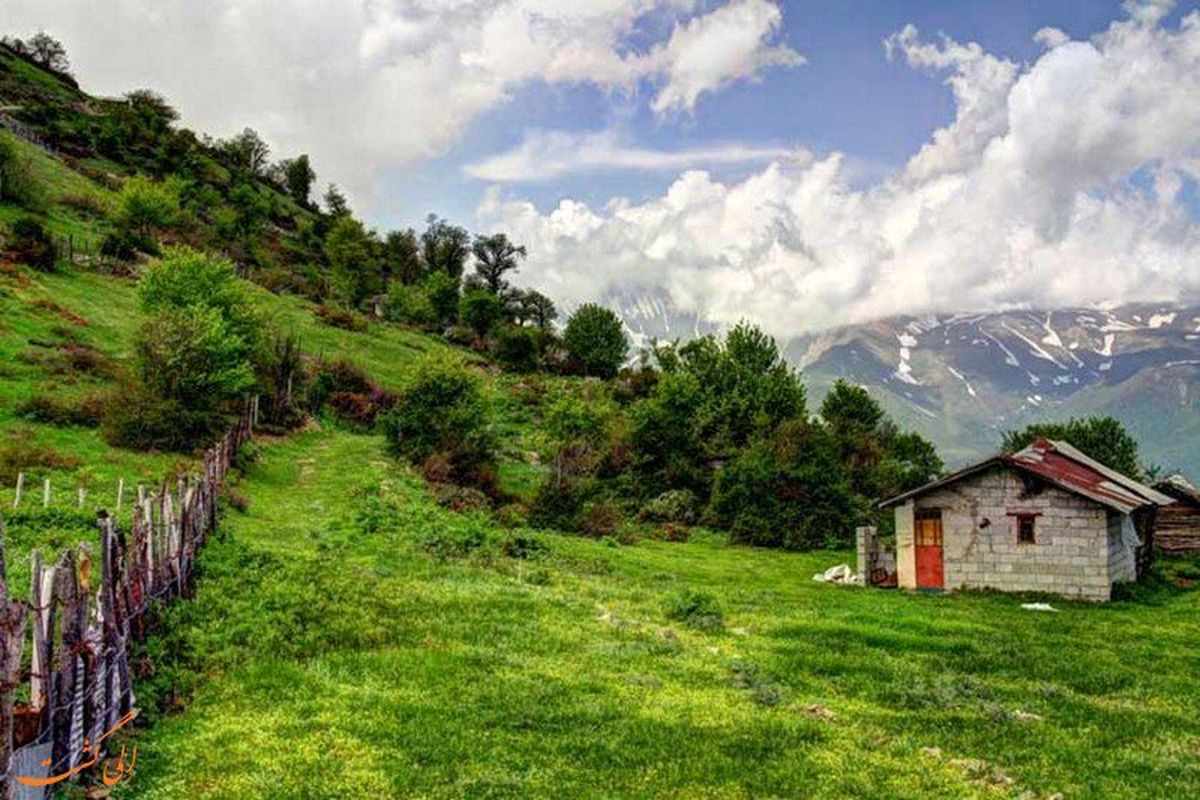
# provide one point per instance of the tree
(248, 151)
(481, 309)
(442, 291)
(667, 450)
(336, 204)
(789, 491)
(151, 109)
(1102, 438)
(48, 52)
(351, 253)
(186, 278)
(298, 178)
(495, 255)
(405, 303)
(145, 206)
(402, 256)
(748, 387)
(536, 308)
(197, 349)
(444, 247)
(442, 412)
(595, 341)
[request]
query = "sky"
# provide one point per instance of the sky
(800, 164)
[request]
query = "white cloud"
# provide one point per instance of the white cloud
(544, 155)
(1057, 183)
(707, 53)
(364, 85)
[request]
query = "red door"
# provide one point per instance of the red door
(929, 550)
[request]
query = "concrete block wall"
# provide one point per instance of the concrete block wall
(1071, 552)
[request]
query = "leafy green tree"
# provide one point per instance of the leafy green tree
(668, 452)
(48, 52)
(298, 178)
(442, 411)
(595, 341)
(144, 206)
(749, 389)
(481, 309)
(197, 351)
(402, 256)
(789, 491)
(336, 204)
(405, 303)
(495, 256)
(518, 348)
(442, 291)
(1102, 438)
(186, 278)
(445, 247)
(535, 308)
(350, 250)
(247, 151)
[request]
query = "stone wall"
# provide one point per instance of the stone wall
(876, 562)
(1071, 552)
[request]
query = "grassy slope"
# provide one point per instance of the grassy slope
(340, 659)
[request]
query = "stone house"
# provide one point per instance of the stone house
(1045, 519)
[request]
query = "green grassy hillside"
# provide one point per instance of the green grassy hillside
(352, 639)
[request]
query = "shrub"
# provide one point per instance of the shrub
(788, 492)
(511, 515)
(143, 206)
(595, 341)
(696, 610)
(556, 504)
(462, 499)
(522, 546)
(338, 317)
(85, 203)
(442, 290)
(406, 303)
(517, 348)
(19, 454)
(481, 310)
(674, 505)
(145, 420)
(676, 533)
(361, 410)
(327, 378)
(442, 410)
(456, 541)
(125, 245)
(30, 244)
(84, 411)
(600, 518)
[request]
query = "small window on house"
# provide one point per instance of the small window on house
(1025, 529)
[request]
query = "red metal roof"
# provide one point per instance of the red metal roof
(1062, 465)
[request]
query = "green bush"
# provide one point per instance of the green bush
(442, 410)
(407, 303)
(595, 341)
(481, 310)
(517, 348)
(30, 244)
(84, 411)
(144, 207)
(338, 317)
(442, 290)
(145, 420)
(789, 492)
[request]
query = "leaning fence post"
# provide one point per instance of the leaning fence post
(46, 493)
(20, 487)
(120, 492)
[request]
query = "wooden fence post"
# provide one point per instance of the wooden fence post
(20, 487)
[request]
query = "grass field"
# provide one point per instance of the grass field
(352, 639)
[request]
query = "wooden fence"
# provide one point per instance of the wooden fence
(82, 626)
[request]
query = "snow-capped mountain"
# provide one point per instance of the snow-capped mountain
(962, 380)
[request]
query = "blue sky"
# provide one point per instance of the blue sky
(848, 97)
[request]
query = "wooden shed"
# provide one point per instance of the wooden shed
(1177, 525)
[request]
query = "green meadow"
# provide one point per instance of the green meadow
(352, 639)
